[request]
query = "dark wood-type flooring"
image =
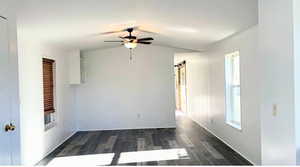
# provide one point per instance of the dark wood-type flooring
(188, 144)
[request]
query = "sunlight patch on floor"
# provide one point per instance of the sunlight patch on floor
(83, 160)
(153, 155)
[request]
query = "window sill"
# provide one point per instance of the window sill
(50, 126)
(234, 125)
(46, 112)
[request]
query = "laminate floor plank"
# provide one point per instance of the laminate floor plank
(212, 150)
(186, 140)
(188, 144)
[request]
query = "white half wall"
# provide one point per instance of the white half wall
(119, 94)
(208, 80)
(36, 143)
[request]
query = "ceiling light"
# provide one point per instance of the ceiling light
(130, 45)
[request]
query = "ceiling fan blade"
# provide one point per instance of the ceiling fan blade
(110, 32)
(146, 39)
(113, 41)
(137, 28)
(128, 37)
(123, 30)
(147, 43)
(141, 30)
(118, 31)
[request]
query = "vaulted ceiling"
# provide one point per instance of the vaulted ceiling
(191, 24)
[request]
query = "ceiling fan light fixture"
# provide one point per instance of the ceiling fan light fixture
(130, 41)
(130, 45)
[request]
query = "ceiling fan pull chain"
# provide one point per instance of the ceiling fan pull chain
(130, 54)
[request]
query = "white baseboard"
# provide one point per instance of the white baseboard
(107, 129)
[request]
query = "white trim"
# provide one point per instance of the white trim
(168, 127)
(234, 125)
(229, 91)
(223, 141)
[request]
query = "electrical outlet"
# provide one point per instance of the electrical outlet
(274, 110)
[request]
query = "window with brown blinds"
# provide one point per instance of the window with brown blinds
(48, 83)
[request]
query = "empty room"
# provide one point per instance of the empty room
(149, 82)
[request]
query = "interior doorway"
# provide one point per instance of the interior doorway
(180, 88)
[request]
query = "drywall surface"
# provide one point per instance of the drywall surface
(247, 140)
(277, 69)
(74, 67)
(296, 10)
(35, 141)
(123, 94)
(197, 85)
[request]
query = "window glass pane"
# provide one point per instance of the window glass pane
(236, 70)
(236, 115)
(47, 119)
(233, 95)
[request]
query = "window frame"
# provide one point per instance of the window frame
(51, 114)
(229, 91)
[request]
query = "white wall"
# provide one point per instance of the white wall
(247, 140)
(277, 59)
(7, 9)
(197, 83)
(119, 94)
(36, 142)
(296, 19)
(74, 67)
(206, 92)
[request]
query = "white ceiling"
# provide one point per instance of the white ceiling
(192, 24)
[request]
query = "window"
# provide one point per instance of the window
(48, 85)
(233, 89)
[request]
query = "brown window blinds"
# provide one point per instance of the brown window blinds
(48, 84)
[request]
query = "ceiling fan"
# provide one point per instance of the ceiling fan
(131, 41)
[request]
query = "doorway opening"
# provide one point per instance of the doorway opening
(180, 88)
